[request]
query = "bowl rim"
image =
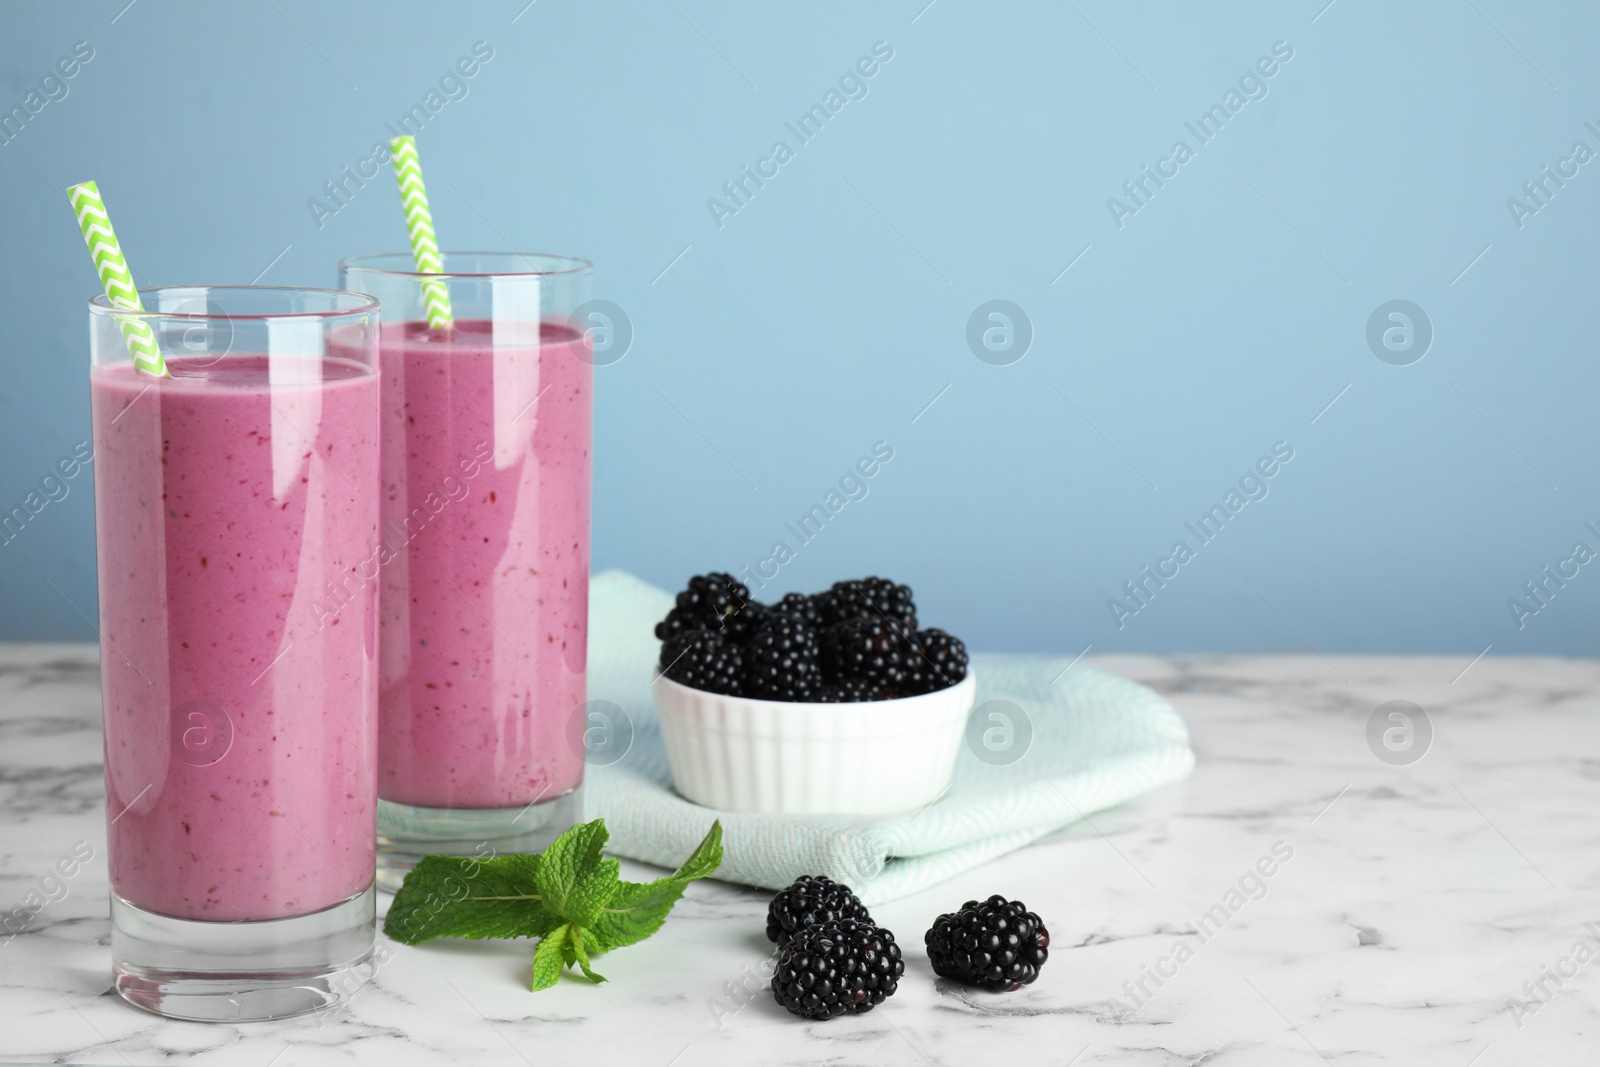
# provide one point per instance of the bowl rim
(968, 683)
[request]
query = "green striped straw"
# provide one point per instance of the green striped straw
(419, 227)
(114, 275)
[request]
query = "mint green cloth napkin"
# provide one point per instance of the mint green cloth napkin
(1097, 741)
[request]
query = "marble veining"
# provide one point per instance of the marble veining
(1433, 913)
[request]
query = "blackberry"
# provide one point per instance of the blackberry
(679, 622)
(998, 944)
(937, 661)
(850, 691)
(705, 604)
(873, 650)
(873, 598)
(842, 968)
(781, 661)
(808, 609)
(811, 901)
(702, 659)
(740, 626)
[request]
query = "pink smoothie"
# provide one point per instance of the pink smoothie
(238, 634)
(485, 605)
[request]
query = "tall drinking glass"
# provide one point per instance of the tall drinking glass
(236, 514)
(486, 442)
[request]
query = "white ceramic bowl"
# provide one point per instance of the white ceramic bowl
(876, 757)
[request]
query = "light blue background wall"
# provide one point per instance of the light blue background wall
(825, 315)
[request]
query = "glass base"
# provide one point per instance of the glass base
(406, 833)
(242, 971)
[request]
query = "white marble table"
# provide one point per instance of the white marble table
(1419, 902)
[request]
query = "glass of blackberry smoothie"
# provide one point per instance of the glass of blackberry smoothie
(486, 431)
(236, 513)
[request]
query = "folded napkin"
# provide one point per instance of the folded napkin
(1096, 741)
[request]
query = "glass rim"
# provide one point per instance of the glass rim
(576, 264)
(360, 303)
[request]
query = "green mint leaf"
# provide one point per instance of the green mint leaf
(570, 898)
(456, 896)
(582, 946)
(569, 863)
(592, 894)
(637, 910)
(706, 857)
(548, 958)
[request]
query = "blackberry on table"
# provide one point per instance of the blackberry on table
(997, 944)
(781, 661)
(937, 661)
(842, 968)
(873, 650)
(705, 604)
(873, 598)
(851, 691)
(811, 901)
(703, 659)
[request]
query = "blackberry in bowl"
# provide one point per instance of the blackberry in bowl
(781, 661)
(833, 702)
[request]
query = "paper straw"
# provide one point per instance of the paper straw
(419, 227)
(114, 276)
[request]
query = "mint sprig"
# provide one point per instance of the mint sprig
(569, 897)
